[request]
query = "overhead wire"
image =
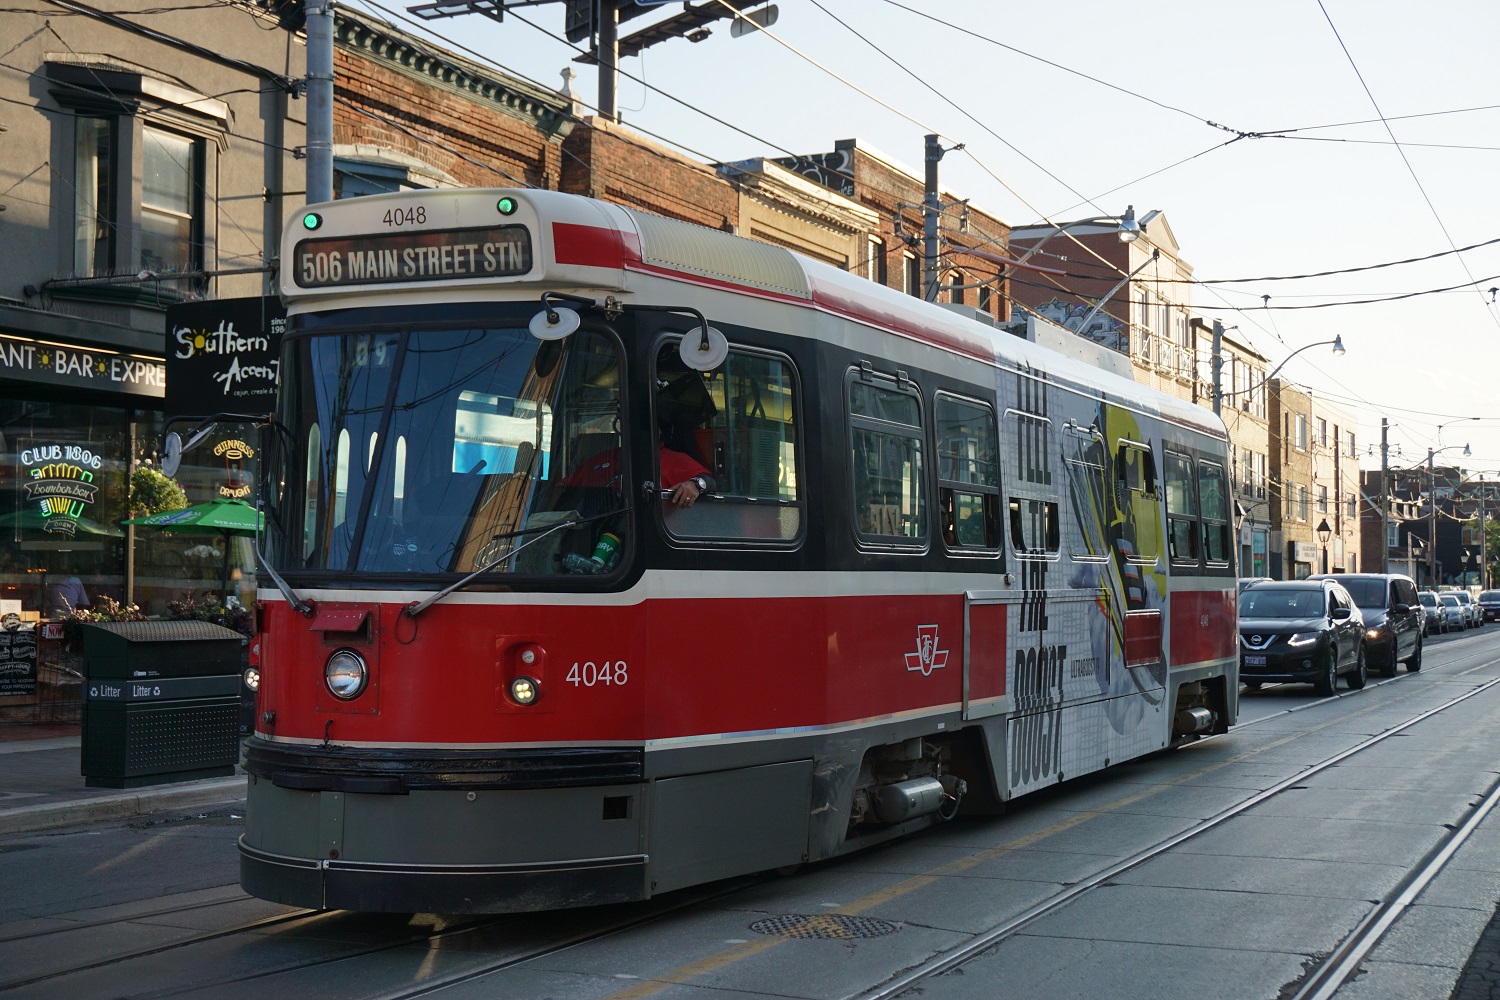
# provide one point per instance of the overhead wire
(1404, 158)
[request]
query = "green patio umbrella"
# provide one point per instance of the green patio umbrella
(216, 517)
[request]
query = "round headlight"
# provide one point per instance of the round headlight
(523, 690)
(346, 674)
(252, 678)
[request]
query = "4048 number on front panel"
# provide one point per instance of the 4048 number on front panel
(589, 674)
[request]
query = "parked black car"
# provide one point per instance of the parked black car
(1435, 618)
(1489, 603)
(1301, 630)
(1393, 617)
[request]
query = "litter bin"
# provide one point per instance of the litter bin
(161, 702)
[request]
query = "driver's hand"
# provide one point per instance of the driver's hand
(685, 493)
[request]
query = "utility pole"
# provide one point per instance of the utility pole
(932, 210)
(1431, 521)
(319, 101)
(1385, 495)
(1218, 364)
(609, 60)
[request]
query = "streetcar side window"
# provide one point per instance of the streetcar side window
(1138, 506)
(885, 440)
(1213, 503)
(1182, 509)
(968, 472)
(1033, 510)
(740, 422)
(314, 490)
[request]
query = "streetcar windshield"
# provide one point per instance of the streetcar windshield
(440, 451)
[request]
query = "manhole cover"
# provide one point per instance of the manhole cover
(825, 926)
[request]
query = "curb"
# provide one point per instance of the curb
(123, 805)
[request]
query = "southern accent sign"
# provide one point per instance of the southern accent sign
(222, 356)
(390, 258)
(80, 368)
(17, 659)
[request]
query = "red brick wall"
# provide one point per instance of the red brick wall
(611, 163)
(475, 142)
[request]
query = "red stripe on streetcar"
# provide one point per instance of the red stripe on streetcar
(593, 246)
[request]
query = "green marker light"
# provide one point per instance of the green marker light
(312, 220)
(506, 206)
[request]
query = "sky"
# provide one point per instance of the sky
(1386, 147)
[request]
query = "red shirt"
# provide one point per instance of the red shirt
(676, 467)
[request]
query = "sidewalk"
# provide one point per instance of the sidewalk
(41, 788)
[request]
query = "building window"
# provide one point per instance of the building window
(122, 121)
(1301, 430)
(956, 289)
(171, 202)
(1302, 503)
(1353, 452)
(875, 268)
(94, 208)
(913, 271)
(1322, 433)
(986, 305)
(1322, 499)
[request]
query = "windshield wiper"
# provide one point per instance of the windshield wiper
(417, 607)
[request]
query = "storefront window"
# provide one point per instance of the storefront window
(65, 489)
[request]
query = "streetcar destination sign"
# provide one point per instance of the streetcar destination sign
(391, 258)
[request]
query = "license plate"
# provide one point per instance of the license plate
(1255, 661)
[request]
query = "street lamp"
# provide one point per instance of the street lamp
(1338, 352)
(1324, 533)
(1432, 510)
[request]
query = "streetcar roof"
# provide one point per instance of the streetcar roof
(583, 243)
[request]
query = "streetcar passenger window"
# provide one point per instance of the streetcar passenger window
(1089, 492)
(1182, 509)
(1035, 528)
(739, 421)
(968, 468)
(1213, 502)
(885, 432)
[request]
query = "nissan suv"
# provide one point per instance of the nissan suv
(1489, 603)
(1393, 618)
(1302, 631)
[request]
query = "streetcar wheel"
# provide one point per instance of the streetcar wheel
(1361, 672)
(1329, 678)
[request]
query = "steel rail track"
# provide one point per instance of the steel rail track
(1344, 959)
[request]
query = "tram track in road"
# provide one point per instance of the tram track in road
(444, 930)
(1323, 981)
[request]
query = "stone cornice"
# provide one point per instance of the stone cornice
(388, 46)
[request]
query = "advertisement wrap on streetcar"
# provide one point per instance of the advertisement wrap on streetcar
(606, 555)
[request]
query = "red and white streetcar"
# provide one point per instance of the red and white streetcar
(509, 662)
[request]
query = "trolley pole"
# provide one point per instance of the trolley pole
(1385, 496)
(932, 209)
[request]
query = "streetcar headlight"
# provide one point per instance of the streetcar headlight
(1302, 638)
(523, 690)
(252, 678)
(346, 674)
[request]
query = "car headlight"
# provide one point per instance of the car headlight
(346, 674)
(1303, 638)
(1378, 632)
(252, 678)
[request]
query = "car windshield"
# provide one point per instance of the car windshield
(1450, 600)
(1461, 597)
(1264, 602)
(1428, 600)
(1366, 593)
(443, 450)
(1490, 595)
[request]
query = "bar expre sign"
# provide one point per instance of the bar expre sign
(398, 258)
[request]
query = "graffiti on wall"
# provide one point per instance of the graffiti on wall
(833, 170)
(1103, 329)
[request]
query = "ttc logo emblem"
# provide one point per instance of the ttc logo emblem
(928, 657)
